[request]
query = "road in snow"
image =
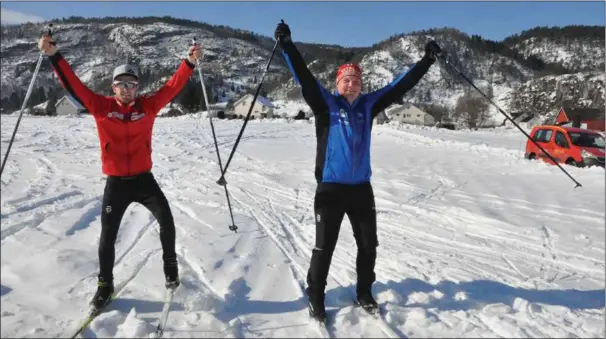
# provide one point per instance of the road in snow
(474, 240)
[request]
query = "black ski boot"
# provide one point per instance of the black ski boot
(367, 302)
(171, 273)
(315, 301)
(105, 291)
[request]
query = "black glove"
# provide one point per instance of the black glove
(432, 50)
(282, 32)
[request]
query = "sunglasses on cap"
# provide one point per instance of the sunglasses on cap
(126, 84)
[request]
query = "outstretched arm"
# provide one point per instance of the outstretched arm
(176, 83)
(391, 93)
(172, 88)
(69, 80)
(313, 93)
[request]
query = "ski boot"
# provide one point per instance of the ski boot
(171, 273)
(105, 291)
(315, 303)
(368, 303)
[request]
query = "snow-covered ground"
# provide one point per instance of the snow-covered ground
(474, 240)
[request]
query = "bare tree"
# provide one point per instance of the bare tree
(473, 109)
(438, 112)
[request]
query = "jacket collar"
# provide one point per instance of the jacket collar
(341, 97)
(121, 104)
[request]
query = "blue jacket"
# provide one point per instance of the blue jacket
(343, 130)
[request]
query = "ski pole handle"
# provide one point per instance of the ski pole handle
(193, 43)
(49, 32)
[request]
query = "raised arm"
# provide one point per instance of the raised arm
(69, 80)
(172, 88)
(176, 83)
(386, 96)
(313, 92)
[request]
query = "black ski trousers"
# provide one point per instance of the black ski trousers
(119, 193)
(331, 203)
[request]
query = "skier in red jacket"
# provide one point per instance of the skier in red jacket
(124, 123)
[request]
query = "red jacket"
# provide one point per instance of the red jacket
(125, 131)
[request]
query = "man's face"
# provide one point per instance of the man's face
(350, 86)
(125, 88)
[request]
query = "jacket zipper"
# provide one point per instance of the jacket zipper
(127, 144)
(353, 155)
(353, 129)
(351, 118)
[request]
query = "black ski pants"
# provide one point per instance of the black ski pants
(331, 203)
(119, 193)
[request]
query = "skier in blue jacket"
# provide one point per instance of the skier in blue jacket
(343, 122)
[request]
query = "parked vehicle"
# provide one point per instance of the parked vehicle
(568, 145)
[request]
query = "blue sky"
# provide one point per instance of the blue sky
(342, 23)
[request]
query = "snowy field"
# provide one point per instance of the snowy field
(475, 241)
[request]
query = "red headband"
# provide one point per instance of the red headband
(348, 69)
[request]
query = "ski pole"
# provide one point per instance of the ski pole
(221, 180)
(233, 226)
(29, 92)
(444, 62)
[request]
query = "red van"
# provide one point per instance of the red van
(568, 145)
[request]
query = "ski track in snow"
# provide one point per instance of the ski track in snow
(474, 240)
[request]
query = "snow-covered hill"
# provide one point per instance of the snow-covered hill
(506, 78)
(94, 49)
(519, 72)
(542, 95)
(577, 48)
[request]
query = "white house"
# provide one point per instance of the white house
(68, 105)
(410, 114)
(263, 108)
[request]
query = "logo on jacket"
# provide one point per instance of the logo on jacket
(133, 116)
(136, 116)
(342, 116)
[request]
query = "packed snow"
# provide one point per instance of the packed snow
(475, 241)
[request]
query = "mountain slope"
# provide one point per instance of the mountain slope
(235, 59)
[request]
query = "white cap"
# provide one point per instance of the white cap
(126, 69)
